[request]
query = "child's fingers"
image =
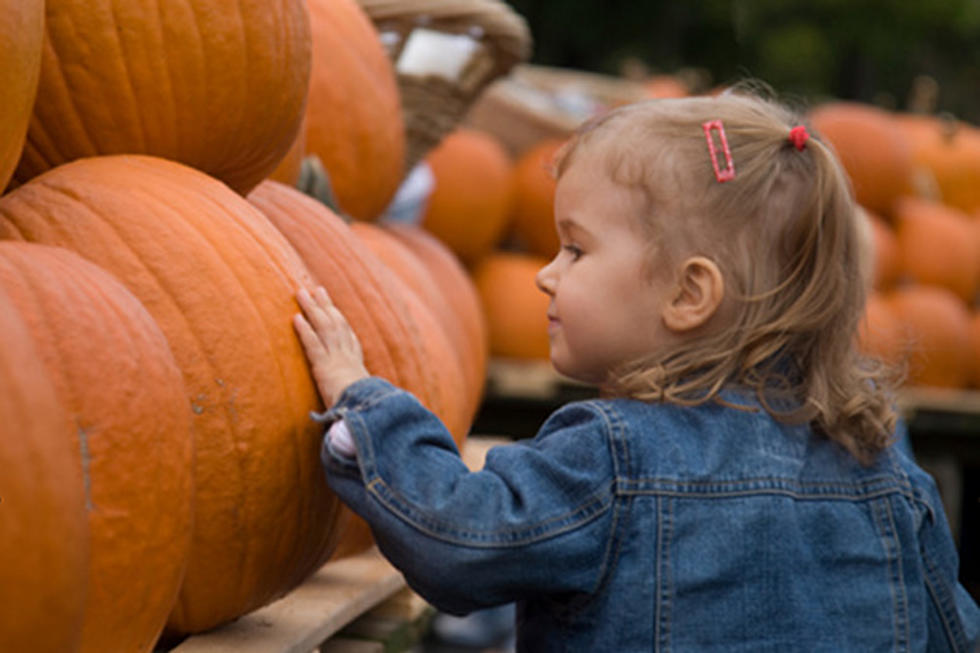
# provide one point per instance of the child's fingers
(311, 341)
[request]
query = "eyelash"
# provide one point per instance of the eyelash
(574, 250)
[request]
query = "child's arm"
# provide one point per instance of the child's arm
(539, 519)
(331, 346)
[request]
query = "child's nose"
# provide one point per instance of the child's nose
(544, 279)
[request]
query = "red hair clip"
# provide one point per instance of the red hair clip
(798, 136)
(728, 172)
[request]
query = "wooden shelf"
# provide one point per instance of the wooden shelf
(334, 596)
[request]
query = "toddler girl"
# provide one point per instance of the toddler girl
(736, 487)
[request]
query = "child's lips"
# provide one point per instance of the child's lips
(553, 323)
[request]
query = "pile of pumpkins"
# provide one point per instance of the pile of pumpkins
(916, 178)
(161, 467)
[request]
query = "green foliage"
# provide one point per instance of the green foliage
(869, 50)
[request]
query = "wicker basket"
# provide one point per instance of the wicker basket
(476, 42)
(538, 102)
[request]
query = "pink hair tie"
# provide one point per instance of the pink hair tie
(798, 136)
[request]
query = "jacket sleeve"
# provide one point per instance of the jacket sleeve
(536, 519)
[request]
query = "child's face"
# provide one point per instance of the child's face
(606, 295)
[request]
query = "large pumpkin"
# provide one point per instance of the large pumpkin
(118, 380)
(391, 322)
(21, 33)
(44, 531)
(872, 149)
(217, 85)
(459, 293)
(440, 326)
(220, 281)
(354, 122)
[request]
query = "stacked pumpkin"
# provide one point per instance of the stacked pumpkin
(157, 402)
(916, 177)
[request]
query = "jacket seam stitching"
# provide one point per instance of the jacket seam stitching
(586, 512)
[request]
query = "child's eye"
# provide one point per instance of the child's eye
(574, 250)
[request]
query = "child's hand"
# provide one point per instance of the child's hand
(331, 346)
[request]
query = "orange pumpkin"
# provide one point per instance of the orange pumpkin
(516, 309)
(935, 329)
(354, 122)
(220, 281)
(459, 292)
(872, 149)
(887, 265)
(103, 350)
(880, 334)
(470, 202)
(438, 317)
(533, 211)
(389, 319)
(44, 539)
(950, 150)
(291, 167)
(938, 245)
(220, 88)
(22, 33)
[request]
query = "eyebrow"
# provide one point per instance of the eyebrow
(570, 226)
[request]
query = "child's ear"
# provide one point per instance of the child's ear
(700, 289)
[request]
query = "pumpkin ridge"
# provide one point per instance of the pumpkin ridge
(128, 76)
(344, 272)
(68, 96)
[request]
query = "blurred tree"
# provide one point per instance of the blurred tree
(869, 50)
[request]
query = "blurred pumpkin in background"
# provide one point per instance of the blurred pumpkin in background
(872, 148)
(533, 212)
(887, 266)
(938, 245)
(880, 334)
(935, 325)
(516, 310)
(472, 193)
(950, 150)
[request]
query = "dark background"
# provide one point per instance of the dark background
(849, 49)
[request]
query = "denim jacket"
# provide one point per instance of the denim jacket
(630, 526)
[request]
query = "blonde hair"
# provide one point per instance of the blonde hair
(784, 234)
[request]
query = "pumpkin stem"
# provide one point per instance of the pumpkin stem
(314, 180)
